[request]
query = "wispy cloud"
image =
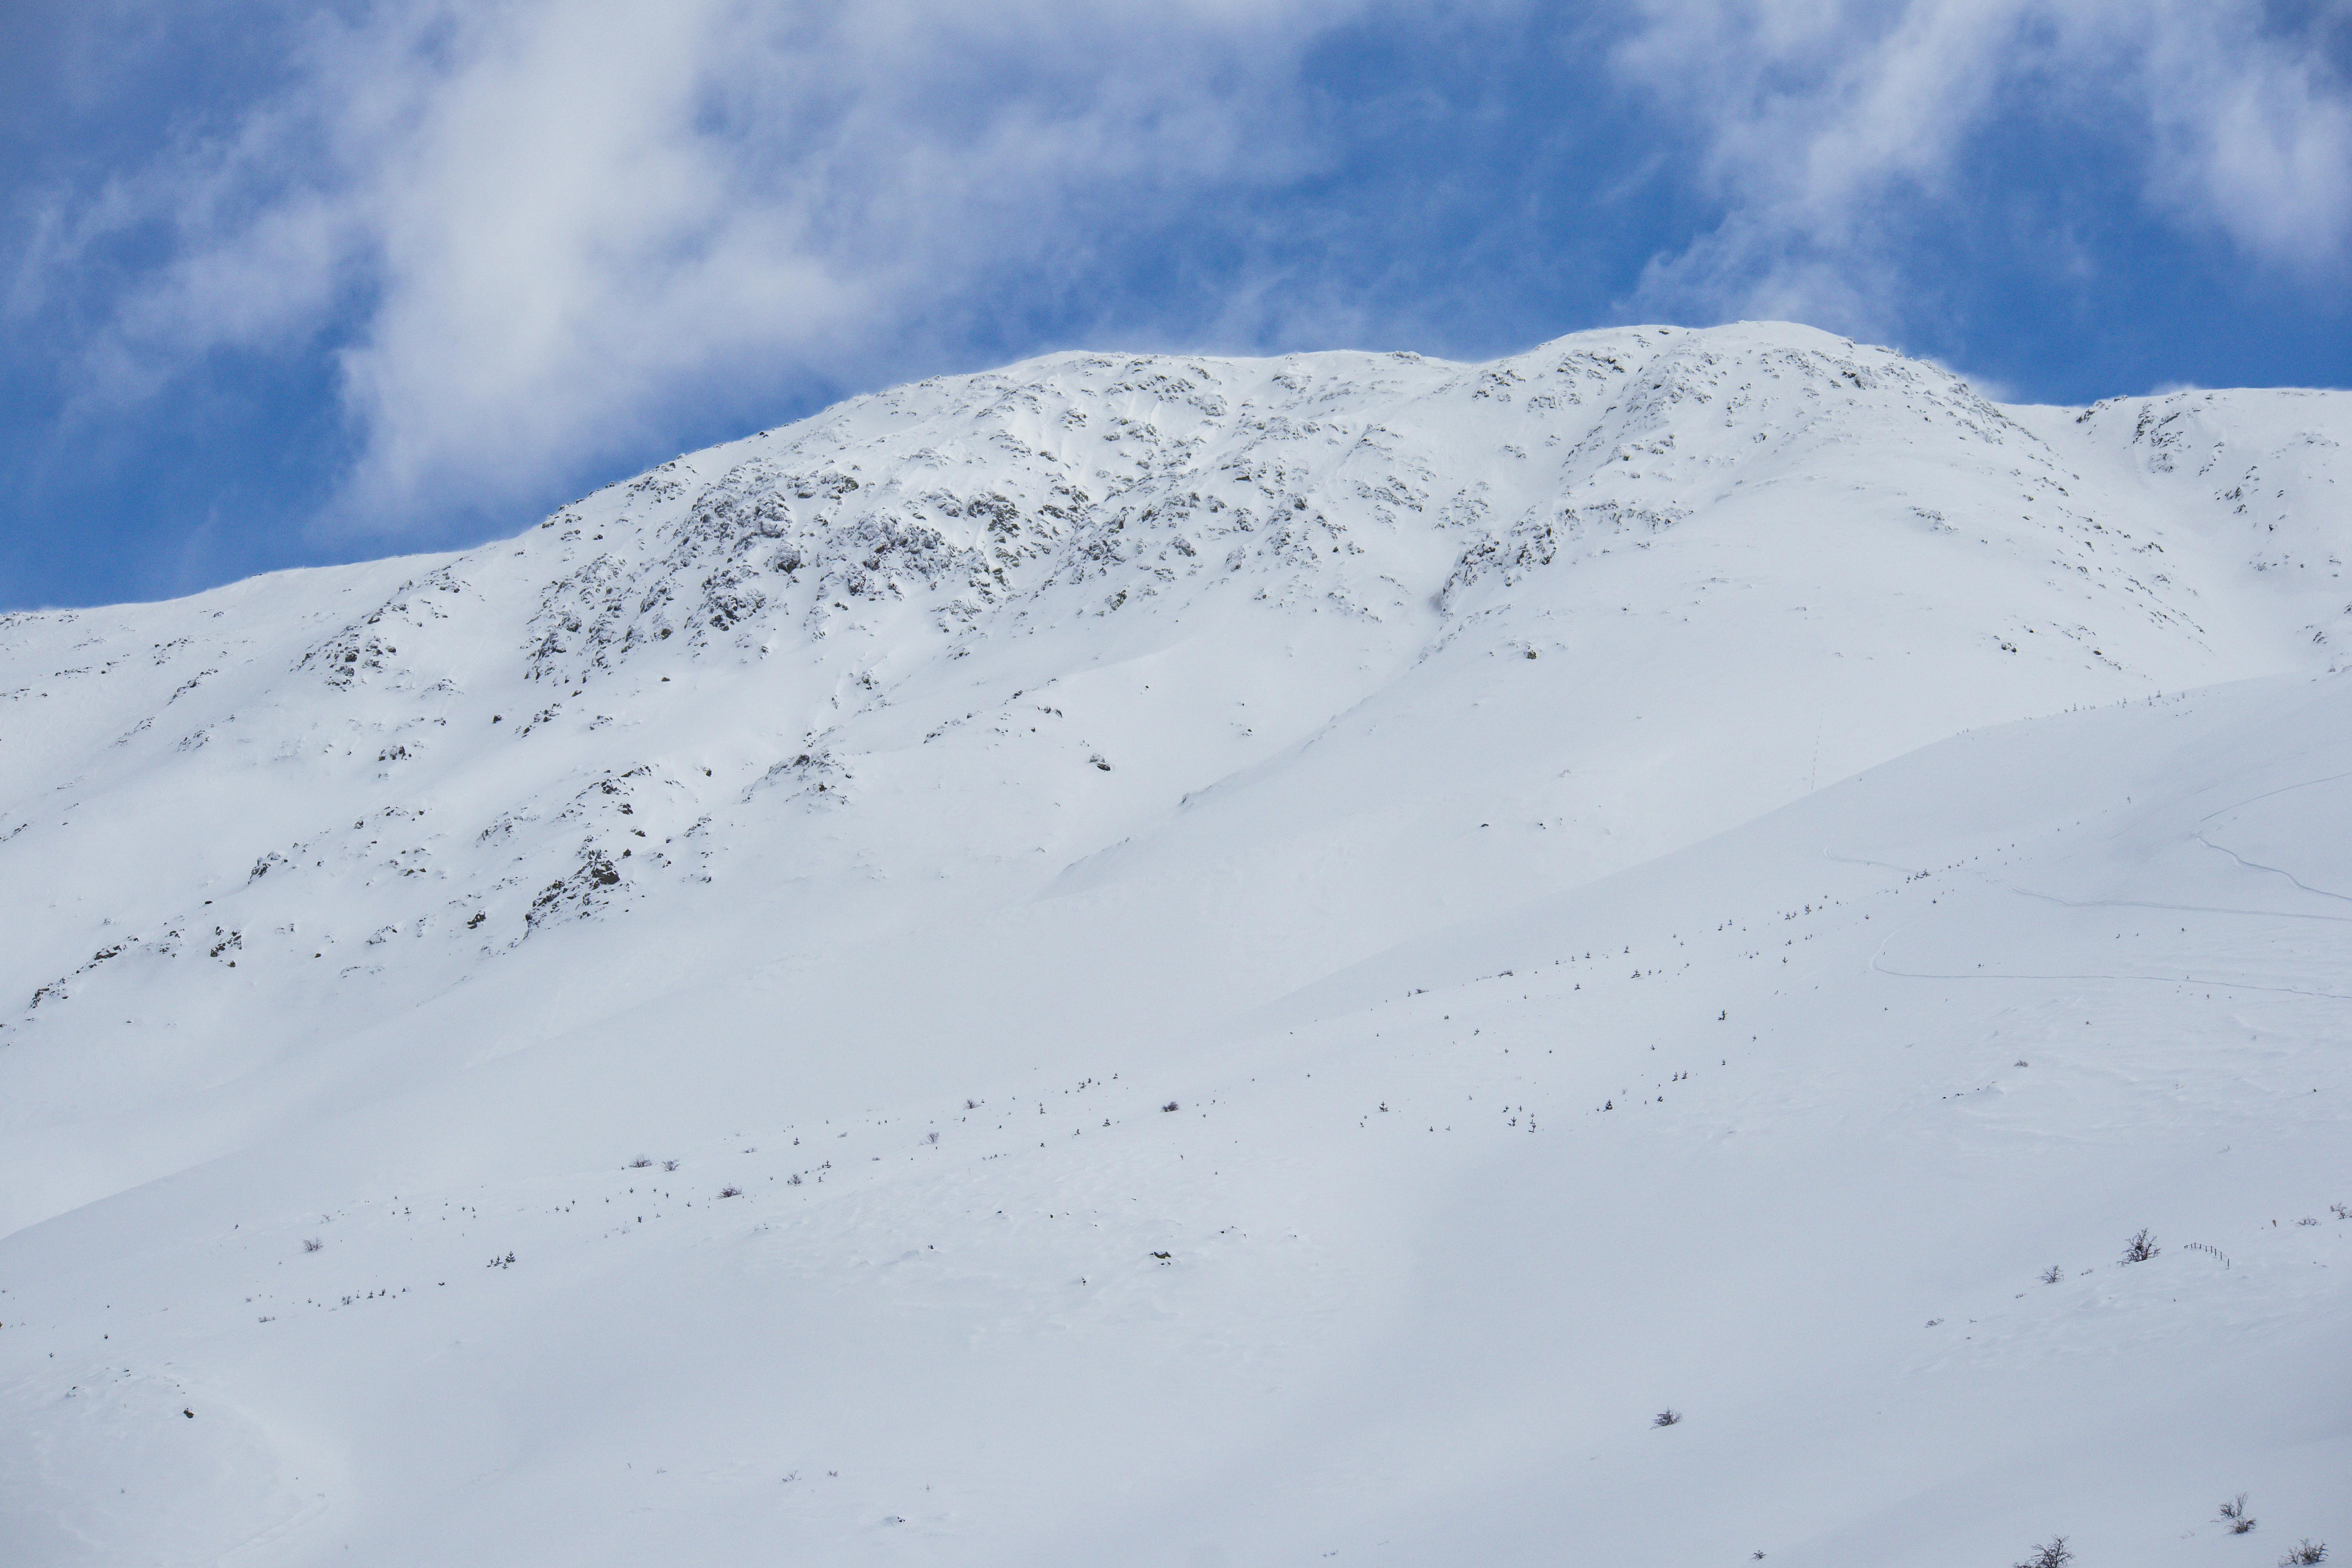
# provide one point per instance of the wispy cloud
(526, 230)
(517, 237)
(1818, 120)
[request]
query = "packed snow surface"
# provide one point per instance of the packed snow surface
(1178, 961)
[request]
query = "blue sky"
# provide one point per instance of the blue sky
(291, 284)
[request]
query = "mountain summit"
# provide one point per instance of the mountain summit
(1165, 958)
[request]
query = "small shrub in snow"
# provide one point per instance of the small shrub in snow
(730, 1191)
(312, 1245)
(1669, 1416)
(669, 1164)
(639, 1163)
(2054, 1555)
(2308, 1553)
(2307, 1219)
(2051, 1274)
(2140, 1248)
(1170, 1106)
(2235, 1514)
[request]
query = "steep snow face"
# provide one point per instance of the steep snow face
(1654, 580)
(1077, 720)
(2262, 474)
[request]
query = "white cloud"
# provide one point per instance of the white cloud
(1817, 117)
(532, 229)
(535, 234)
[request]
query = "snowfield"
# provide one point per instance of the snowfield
(1195, 962)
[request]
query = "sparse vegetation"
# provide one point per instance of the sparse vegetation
(2141, 1247)
(2235, 1514)
(2051, 1274)
(1170, 1106)
(2052, 1555)
(730, 1191)
(2307, 1553)
(1669, 1416)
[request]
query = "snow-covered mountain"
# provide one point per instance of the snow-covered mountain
(1239, 961)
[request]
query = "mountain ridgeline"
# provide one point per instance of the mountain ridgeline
(780, 648)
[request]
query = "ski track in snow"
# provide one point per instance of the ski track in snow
(1167, 959)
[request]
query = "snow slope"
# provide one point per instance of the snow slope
(1410, 772)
